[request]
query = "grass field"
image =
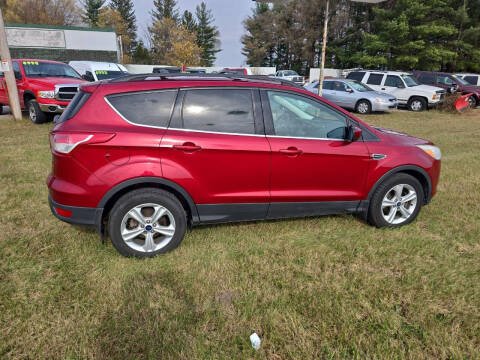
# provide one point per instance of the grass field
(319, 288)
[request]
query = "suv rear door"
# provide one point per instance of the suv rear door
(313, 167)
(216, 149)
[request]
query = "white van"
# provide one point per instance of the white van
(96, 70)
(404, 86)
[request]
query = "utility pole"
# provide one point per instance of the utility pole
(9, 74)
(324, 49)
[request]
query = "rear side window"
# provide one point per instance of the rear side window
(219, 110)
(471, 79)
(375, 79)
(327, 85)
(356, 75)
(426, 78)
(145, 108)
(75, 105)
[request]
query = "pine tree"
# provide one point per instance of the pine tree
(207, 35)
(164, 9)
(91, 10)
(189, 21)
(127, 11)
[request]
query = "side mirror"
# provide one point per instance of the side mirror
(353, 133)
(349, 90)
(88, 78)
(18, 75)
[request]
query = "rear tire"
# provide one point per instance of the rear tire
(1, 109)
(417, 104)
(136, 227)
(36, 115)
(472, 102)
(389, 206)
(363, 107)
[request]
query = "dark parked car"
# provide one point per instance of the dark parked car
(142, 159)
(451, 83)
(167, 70)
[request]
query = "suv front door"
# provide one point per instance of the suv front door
(313, 167)
(216, 148)
(395, 86)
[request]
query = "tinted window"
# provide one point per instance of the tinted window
(471, 79)
(356, 75)
(298, 116)
(16, 70)
(219, 110)
(427, 78)
(375, 79)
(327, 85)
(444, 80)
(152, 108)
(74, 107)
(394, 81)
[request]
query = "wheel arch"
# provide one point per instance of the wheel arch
(417, 172)
(363, 99)
(28, 95)
(109, 199)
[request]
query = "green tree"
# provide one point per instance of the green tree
(164, 9)
(91, 10)
(141, 55)
(189, 21)
(126, 9)
(207, 35)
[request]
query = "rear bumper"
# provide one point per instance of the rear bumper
(76, 215)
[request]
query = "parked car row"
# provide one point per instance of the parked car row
(370, 90)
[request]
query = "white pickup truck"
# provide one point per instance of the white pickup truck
(291, 76)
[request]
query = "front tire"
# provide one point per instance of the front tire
(417, 104)
(147, 222)
(396, 202)
(36, 115)
(363, 107)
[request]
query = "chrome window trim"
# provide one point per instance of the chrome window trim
(305, 138)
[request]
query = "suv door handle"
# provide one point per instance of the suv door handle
(291, 151)
(384, 89)
(187, 147)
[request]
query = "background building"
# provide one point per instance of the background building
(62, 43)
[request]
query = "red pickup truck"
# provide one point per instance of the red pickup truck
(45, 87)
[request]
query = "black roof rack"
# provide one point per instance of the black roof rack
(200, 77)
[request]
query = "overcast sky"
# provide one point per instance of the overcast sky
(228, 14)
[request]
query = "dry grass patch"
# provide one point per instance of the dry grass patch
(326, 287)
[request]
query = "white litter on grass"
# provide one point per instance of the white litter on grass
(256, 341)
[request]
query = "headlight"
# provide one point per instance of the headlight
(50, 94)
(431, 150)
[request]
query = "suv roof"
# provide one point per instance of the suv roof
(205, 77)
(388, 72)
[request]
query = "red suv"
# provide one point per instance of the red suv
(144, 157)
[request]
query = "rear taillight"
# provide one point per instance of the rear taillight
(64, 143)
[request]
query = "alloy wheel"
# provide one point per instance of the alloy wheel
(363, 108)
(416, 105)
(147, 227)
(399, 203)
(32, 113)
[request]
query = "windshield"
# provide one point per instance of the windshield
(46, 69)
(410, 80)
(290, 73)
(460, 80)
(358, 86)
(106, 74)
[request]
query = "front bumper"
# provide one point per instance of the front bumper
(384, 106)
(52, 108)
(76, 215)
